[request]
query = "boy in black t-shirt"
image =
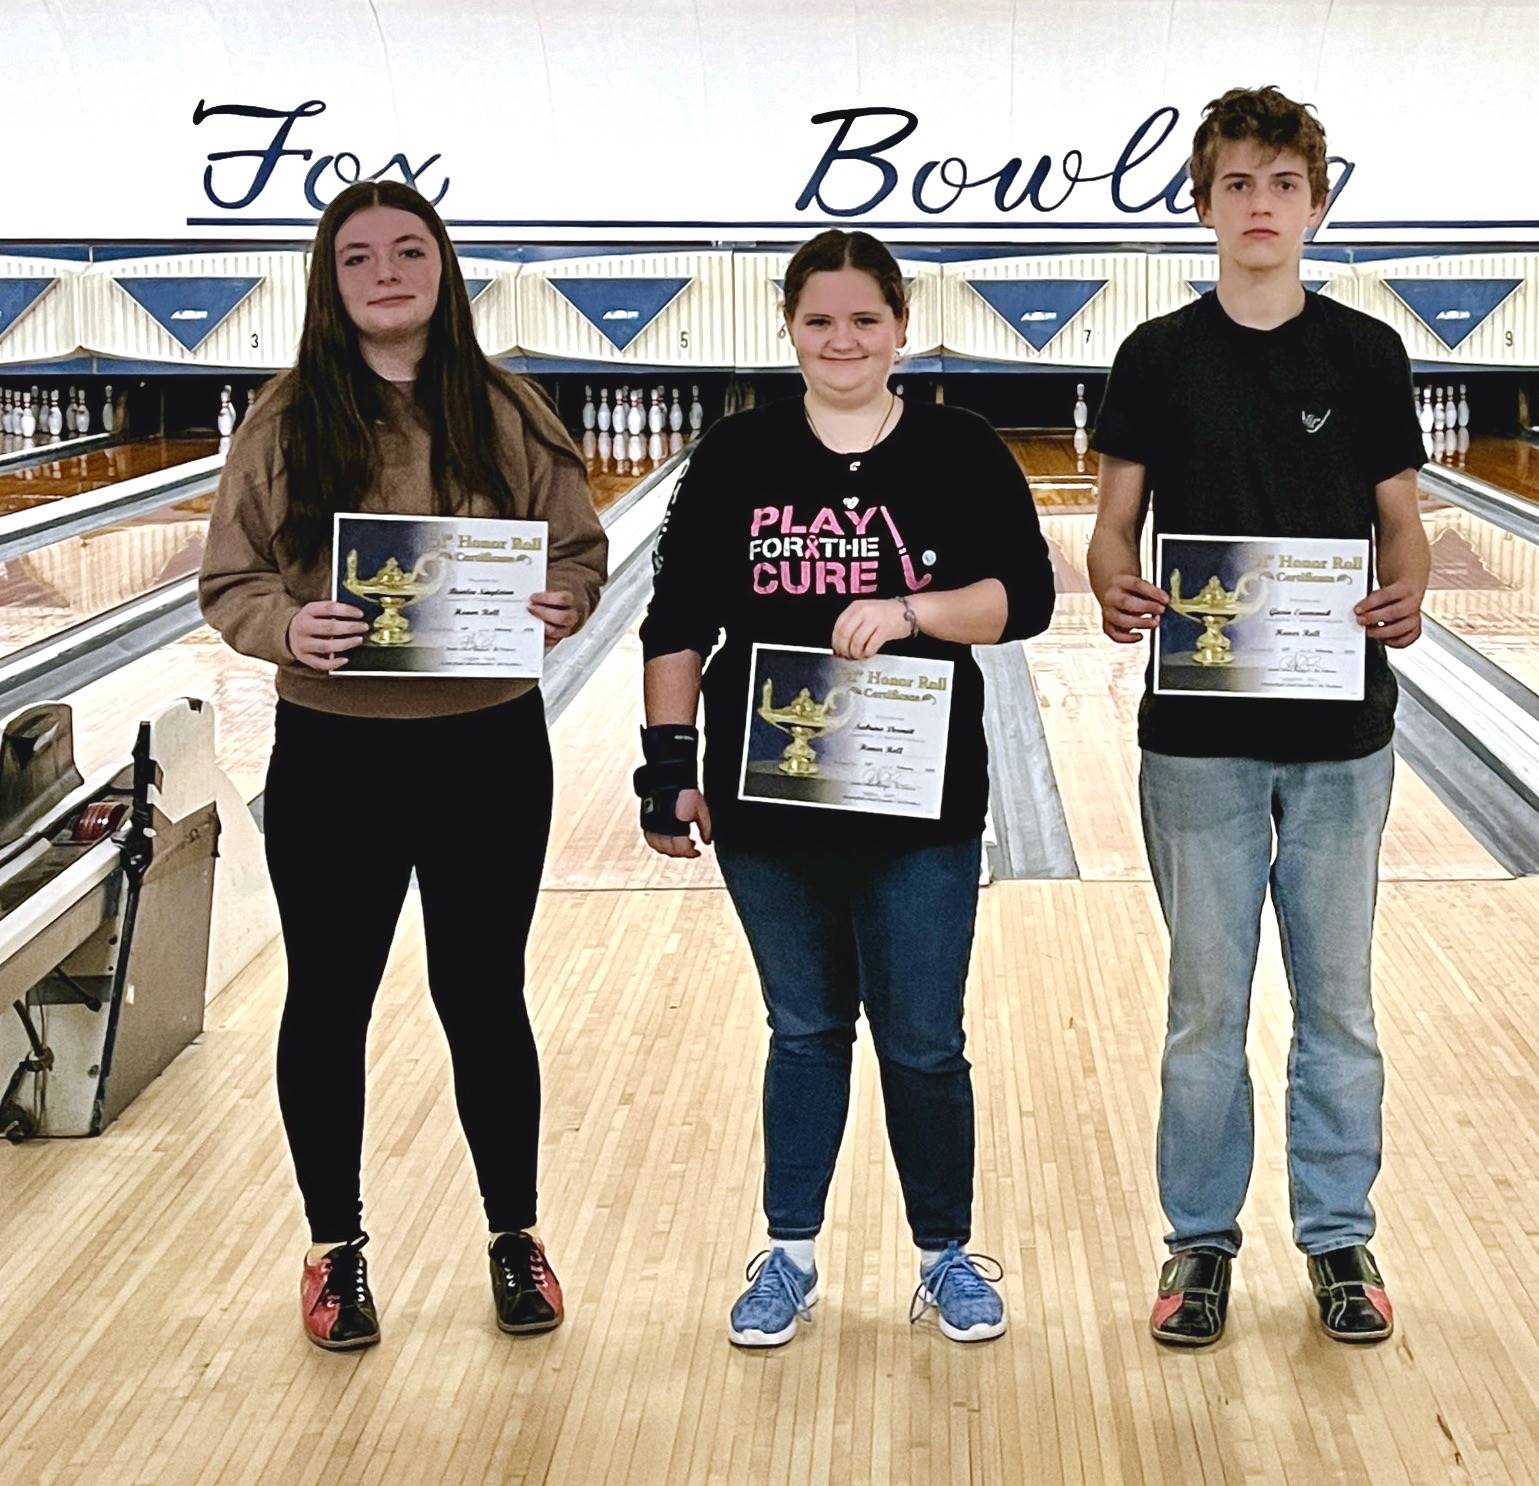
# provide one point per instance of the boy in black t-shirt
(1262, 410)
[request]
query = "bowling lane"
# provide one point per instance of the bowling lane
(1061, 468)
(1485, 587)
(78, 474)
(47, 591)
(1510, 464)
(613, 476)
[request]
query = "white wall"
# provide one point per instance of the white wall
(672, 118)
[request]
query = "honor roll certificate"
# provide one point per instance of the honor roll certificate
(442, 595)
(1261, 617)
(840, 734)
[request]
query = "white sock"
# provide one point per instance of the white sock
(927, 1259)
(800, 1251)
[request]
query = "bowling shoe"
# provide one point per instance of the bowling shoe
(1350, 1293)
(525, 1289)
(334, 1300)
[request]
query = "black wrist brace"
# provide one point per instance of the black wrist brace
(670, 769)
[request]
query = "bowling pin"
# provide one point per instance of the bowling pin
(69, 413)
(655, 415)
(696, 411)
(633, 415)
(1450, 410)
(898, 390)
(108, 420)
(602, 417)
(226, 415)
(589, 416)
(5, 413)
(28, 424)
(1081, 408)
(1426, 410)
(675, 413)
(55, 416)
(1439, 418)
(82, 414)
(1464, 408)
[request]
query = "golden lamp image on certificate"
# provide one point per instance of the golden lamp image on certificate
(837, 734)
(442, 595)
(1261, 617)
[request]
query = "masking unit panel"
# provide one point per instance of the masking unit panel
(39, 309)
(493, 302)
(1058, 309)
(628, 309)
(1465, 309)
(219, 310)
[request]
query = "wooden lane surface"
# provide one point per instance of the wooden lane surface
(1510, 463)
(1485, 588)
(652, 1033)
(1061, 477)
(1089, 689)
(75, 474)
(48, 590)
(612, 478)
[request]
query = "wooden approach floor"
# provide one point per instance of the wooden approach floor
(147, 1307)
(147, 1289)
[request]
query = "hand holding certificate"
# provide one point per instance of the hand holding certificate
(838, 734)
(1261, 617)
(444, 596)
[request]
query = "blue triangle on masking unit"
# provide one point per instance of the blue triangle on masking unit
(1037, 309)
(476, 287)
(17, 296)
(620, 309)
(188, 309)
(1452, 308)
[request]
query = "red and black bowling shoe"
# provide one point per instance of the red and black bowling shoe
(524, 1286)
(1350, 1293)
(334, 1300)
(1193, 1299)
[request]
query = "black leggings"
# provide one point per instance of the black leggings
(353, 805)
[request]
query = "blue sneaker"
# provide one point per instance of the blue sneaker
(968, 1305)
(766, 1313)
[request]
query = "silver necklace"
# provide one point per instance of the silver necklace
(892, 402)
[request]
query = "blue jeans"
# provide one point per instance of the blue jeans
(1208, 826)
(831, 931)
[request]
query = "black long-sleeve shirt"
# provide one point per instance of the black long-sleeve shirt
(771, 535)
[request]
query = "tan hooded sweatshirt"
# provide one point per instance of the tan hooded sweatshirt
(249, 588)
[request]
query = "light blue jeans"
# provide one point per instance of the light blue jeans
(1208, 826)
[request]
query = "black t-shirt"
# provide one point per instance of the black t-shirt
(770, 536)
(1265, 433)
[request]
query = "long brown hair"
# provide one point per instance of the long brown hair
(329, 447)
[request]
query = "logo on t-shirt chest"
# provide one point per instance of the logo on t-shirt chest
(835, 550)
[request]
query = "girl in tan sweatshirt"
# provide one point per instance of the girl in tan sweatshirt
(393, 408)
